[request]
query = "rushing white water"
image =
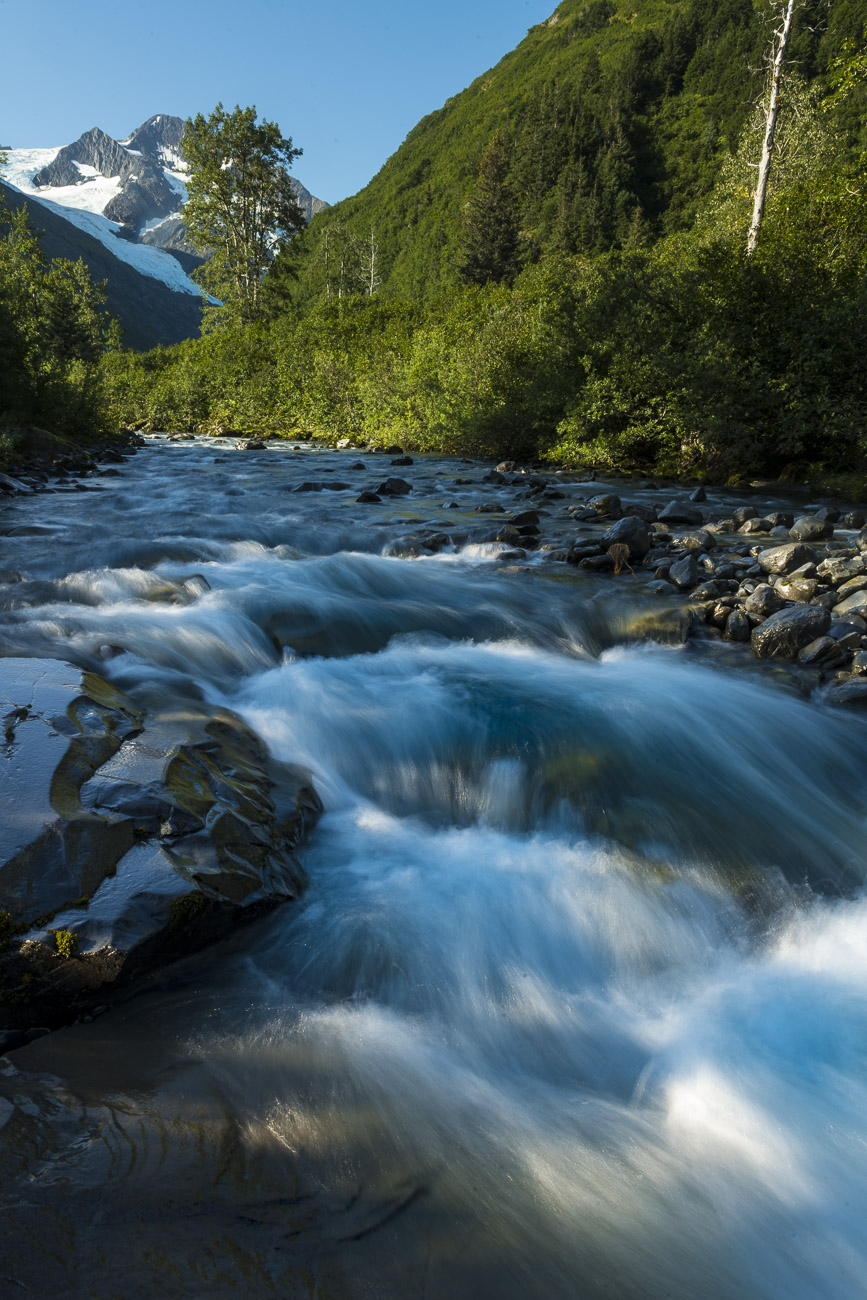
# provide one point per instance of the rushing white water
(577, 999)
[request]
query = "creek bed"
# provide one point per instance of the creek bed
(575, 1002)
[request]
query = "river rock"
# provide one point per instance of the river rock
(742, 514)
(824, 651)
(121, 826)
(847, 635)
(646, 513)
(804, 572)
(763, 601)
(368, 498)
(680, 512)
(839, 569)
(393, 487)
(785, 633)
(508, 534)
(684, 572)
(756, 526)
(783, 559)
(599, 563)
(738, 626)
(709, 590)
(809, 528)
(852, 519)
(630, 531)
(848, 695)
(698, 494)
(854, 603)
(848, 588)
(803, 589)
(606, 506)
(700, 540)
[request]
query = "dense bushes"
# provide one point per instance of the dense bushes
(687, 356)
(53, 332)
(690, 357)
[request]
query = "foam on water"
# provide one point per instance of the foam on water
(578, 993)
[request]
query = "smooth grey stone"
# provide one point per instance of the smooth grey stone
(809, 528)
(785, 633)
(629, 531)
(684, 572)
(784, 559)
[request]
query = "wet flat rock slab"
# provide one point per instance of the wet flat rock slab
(128, 841)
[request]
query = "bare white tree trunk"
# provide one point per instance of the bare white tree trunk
(373, 274)
(781, 41)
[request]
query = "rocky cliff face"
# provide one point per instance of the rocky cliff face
(159, 138)
(144, 164)
(145, 192)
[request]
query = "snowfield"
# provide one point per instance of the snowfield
(83, 205)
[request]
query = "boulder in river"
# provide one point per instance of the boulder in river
(606, 506)
(680, 512)
(786, 633)
(784, 559)
(629, 531)
(797, 589)
(809, 528)
(853, 603)
(393, 487)
(824, 652)
(763, 601)
(684, 572)
(848, 695)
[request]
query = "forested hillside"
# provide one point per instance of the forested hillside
(615, 116)
(555, 263)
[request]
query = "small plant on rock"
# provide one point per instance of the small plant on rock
(67, 943)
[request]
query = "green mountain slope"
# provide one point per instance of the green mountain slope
(617, 115)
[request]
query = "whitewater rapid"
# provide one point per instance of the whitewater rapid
(576, 1002)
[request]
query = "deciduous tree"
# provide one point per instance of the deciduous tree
(242, 205)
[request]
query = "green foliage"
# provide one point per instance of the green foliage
(490, 234)
(53, 331)
(241, 203)
(185, 911)
(614, 149)
(9, 930)
(66, 942)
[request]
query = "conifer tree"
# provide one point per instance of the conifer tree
(490, 235)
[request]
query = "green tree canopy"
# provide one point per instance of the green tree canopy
(489, 251)
(242, 204)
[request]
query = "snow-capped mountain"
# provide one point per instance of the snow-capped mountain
(128, 194)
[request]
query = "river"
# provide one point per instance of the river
(576, 1002)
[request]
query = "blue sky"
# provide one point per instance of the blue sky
(346, 80)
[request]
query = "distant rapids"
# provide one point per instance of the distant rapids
(576, 1002)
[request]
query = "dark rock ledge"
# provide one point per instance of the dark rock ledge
(127, 840)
